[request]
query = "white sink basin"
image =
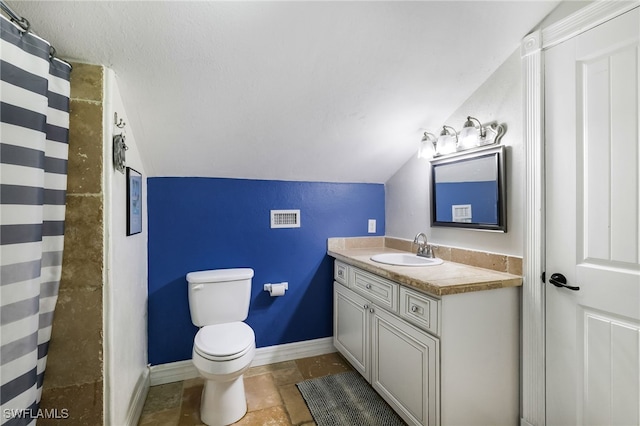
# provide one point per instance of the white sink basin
(405, 259)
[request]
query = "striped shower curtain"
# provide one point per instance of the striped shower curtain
(34, 132)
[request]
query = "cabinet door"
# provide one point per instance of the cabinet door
(351, 327)
(405, 368)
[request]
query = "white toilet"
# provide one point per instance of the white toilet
(224, 346)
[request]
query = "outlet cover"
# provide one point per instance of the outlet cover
(372, 226)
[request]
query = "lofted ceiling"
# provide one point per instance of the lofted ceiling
(295, 90)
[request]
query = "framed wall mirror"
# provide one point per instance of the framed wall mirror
(468, 190)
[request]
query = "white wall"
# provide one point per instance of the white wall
(126, 289)
(407, 192)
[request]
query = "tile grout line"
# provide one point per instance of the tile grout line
(314, 367)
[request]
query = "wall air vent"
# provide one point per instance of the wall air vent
(461, 213)
(285, 218)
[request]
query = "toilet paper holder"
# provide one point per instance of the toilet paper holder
(269, 287)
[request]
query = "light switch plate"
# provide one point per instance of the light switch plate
(372, 226)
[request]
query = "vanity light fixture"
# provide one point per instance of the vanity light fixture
(447, 141)
(472, 135)
(427, 146)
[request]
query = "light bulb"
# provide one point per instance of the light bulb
(471, 135)
(468, 137)
(427, 146)
(446, 141)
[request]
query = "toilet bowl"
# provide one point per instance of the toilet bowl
(222, 353)
(224, 346)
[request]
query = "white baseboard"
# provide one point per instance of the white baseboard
(184, 370)
(291, 351)
(172, 372)
(139, 397)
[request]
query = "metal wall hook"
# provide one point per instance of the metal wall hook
(119, 149)
(119, 146)
(119, 124)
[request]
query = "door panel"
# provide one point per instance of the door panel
(612, 371)
(610, 158)
(593, 225)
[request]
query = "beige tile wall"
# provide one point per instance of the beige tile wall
(74, 375)
(493, 261)
(481, 259)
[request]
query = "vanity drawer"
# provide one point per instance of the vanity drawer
(340, 272)
(419, 309)
(380, 291)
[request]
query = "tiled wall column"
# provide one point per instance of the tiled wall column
(74, 375)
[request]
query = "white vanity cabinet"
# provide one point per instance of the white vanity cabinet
(398, 359)
(451, 360)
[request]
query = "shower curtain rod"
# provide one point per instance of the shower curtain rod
(26, 27)
(24, 24)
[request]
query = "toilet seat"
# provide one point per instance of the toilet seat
(224, 342)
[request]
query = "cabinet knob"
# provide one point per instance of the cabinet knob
(368, 286)
(371, 310)
(366, 307)
(414, 308)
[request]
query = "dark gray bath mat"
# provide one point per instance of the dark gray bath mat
(346, 399)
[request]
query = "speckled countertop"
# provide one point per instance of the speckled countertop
(439, 280)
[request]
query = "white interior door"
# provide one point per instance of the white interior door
(593, 226)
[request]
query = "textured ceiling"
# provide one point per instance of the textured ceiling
(314, 91)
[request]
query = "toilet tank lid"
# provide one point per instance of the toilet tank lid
(218, 275)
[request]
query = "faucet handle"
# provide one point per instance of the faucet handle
(429, 251)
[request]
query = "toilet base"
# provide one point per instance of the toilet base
(223, 403)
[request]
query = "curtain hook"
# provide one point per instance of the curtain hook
(24, 23)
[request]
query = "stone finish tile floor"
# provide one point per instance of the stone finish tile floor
(272, 395)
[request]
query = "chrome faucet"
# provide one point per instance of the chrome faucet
(424, 248)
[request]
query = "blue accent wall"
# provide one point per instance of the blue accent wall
(483, 197)
(211, 223)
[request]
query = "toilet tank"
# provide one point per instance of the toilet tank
(219, 296)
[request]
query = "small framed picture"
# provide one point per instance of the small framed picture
(134, 202)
